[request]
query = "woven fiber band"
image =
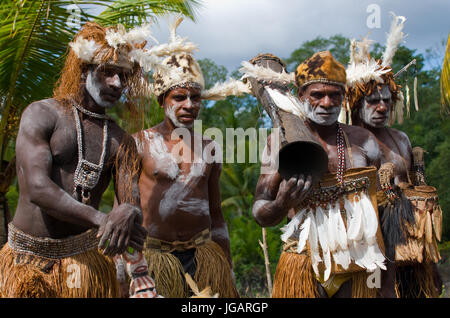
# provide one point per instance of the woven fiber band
(165, 246)
(51, 248)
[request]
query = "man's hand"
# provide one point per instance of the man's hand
(293, 191)
(122, 228)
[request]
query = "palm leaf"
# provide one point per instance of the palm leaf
(445, 81)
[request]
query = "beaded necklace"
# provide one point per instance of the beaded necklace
(341, 156)
(87, 173)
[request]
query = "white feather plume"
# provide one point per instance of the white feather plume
(394, 38)
(342, 257)
(341, 232)
(304, 234)
(286, 101)
(140, 34)
(364, 72)
(370, 219)
(322, 230)
(115, 38)
(173, 27)
(146, 60)
(84, 49)
(333, 216)
(314, 243)
(289, 229)
(264, 73)
(178, 46)
(222, 90)
(354, 229)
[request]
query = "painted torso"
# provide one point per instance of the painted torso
(62, 142)
(174, 196)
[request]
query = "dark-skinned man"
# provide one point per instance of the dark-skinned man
(410, 232)
(332, 243)
(179, 185)
(67, 151)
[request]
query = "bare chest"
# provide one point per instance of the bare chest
(66, 146)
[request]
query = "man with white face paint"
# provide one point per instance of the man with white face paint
(411, 245)
(67, 151)
(312, 264)
(179, 185)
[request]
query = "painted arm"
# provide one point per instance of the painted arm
(127, 200)
(274, 197)
(34, 167)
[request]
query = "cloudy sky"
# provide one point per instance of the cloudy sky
(230, 31)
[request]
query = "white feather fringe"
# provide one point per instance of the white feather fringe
(84, 49)
(325, 231)
(264, 73)
(222, 90)
(394, 38)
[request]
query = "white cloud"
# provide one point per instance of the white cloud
(230, 31)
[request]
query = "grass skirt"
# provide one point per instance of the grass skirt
(86, 275)
(212, 270)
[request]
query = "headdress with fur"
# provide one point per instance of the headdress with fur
(180, 69)
(96, 45)
(365, 74)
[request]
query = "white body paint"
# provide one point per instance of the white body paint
(220, 232)
(313, 113)
(164, 160)
(171, 109)
(366, 112)
(93, 87)
(180, 189)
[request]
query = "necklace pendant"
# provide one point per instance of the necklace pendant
(87, 174)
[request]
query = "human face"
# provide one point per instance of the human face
(322, 103)
(182, 106)
(376, 107)
(106, 83)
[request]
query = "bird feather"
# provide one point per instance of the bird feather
(314, 243)
(304, 234)
(290, 228)
(370, 219)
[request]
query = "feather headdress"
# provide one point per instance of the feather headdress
(181, 69)
(118, 47)
(364, 74)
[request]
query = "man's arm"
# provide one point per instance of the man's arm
(34, 162)
(127, 199)
(219, 229)
(274, 197)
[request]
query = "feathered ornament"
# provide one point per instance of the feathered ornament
(140, 34)
(314, 243)
(222, 90)
(289, 229)
(265, 74)
(116, 37)
(416, 100)
(286, 101)
(408, 101)
(322, 231)
(85, 49)
(394, 38)
(304, 234)
(205, 293)
(176, 43)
